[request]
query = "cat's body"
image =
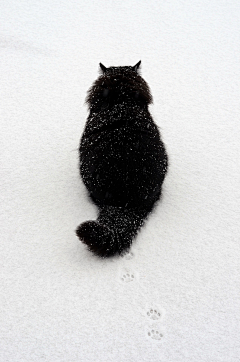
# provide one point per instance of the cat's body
(123, 161)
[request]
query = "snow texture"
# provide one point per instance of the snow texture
(61, 303)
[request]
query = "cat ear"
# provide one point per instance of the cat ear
(103, 67)
(135, 67)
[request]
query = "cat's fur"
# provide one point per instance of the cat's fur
(123, 161)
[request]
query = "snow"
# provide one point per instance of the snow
(58, 301)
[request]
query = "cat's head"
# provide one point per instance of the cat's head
(118, 85)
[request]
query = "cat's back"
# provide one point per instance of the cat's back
(121, 152)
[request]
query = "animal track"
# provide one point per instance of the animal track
(154, 313)
(127, 277)
(155, 333)
(129, 255)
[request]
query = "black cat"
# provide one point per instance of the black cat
(123, 161)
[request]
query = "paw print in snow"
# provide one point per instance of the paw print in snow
(155, 333)
(128, 277)
(128, 256)
(154, 313)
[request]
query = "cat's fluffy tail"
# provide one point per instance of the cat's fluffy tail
(113, 231)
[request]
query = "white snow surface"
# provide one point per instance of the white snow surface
(176, 296)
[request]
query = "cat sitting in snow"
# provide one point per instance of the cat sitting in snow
(123, 161)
